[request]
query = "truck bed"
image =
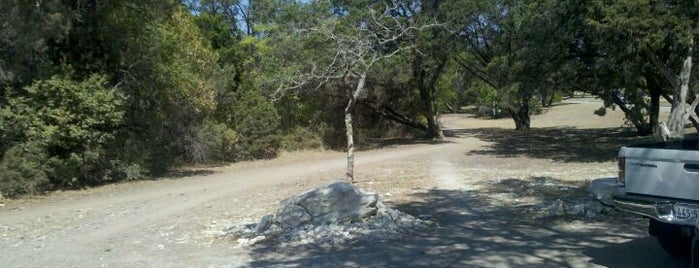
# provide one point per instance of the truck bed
(691, 143)
(665, 169)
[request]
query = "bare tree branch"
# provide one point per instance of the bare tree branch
(355, 50)
(665, 71)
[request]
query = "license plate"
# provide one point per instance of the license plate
(686, 213)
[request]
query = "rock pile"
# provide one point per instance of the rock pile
(586, 207)
(328, 216)
(598, 201)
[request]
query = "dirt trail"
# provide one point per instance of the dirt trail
(89, 229)
(174, 222)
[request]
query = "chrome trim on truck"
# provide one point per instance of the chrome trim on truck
(660, 209)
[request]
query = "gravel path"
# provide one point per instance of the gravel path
(480, 187)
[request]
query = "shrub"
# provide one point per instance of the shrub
(301, 138)
(68, 123)
(212, 143)
(123, 171)
(257, 123)
(23, 170)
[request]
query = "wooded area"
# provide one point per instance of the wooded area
(100, 91)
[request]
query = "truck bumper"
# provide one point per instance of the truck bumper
(661, 209)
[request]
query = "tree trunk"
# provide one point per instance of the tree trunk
(427, 87)
(552, 97)
(394, 116)
(547, 97)
(434, 131)
(521, 117)
(450, 107)
(643, 128)
(654, 107)
(348, 125)
(680, 114)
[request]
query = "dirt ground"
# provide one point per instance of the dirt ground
(478, 186)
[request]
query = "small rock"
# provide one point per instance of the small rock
(424, 216)
(590, 214)
(602, 190)
(596, 208)
(556, 209)
(321, 229)
(274, 230)
(243, 241)
(264, 224)
(578, 209)
(257, 239)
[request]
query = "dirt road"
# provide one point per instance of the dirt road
(475, 185)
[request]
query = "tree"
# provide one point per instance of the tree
(680, 114)
(241, 103)
(430, 56)
(169, 75)
(626, 52)
(172, 76)
(29, 28)
(351, 49)
(150, 50)
(515, 49)
(68, 125)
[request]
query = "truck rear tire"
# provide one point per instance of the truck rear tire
(671, 238)
(695, 250)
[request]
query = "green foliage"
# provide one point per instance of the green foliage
(635, 48)
(26, 32)
(301, 138)
(70, 122)
(123, 171)
(257, 122)
(519, 49)
(446, 95)
(23, 170)
(172, 89)
(182, 86)
(177, 88)
(483, 94)
(64, 115)
(212, 143)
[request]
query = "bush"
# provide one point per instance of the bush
(23, 170)
(301, 138)
(123, 171)
(67, 124)
(257, 123)
(212, 143)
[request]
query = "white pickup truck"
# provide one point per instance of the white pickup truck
(660, 181)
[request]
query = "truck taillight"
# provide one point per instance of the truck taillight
(622, 171)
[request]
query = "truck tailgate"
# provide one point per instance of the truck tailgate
(662, 172)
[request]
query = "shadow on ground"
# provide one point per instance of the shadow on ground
(470, 232)
(545, 190)
(567, 144)
(390, 143)
(184, 173)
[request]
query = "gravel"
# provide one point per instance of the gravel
(387, 223)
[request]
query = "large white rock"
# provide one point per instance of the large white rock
(327, 216)
(337, 202)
